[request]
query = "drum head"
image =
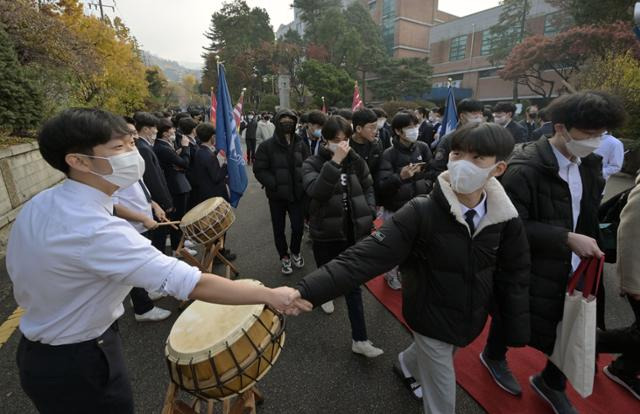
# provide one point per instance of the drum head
(201, 210)
(204, 329)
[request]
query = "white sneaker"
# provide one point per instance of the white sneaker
(192, 252)
(328, 307)
(156, 295)
(393, 281)
(189, 243)
(154, 315)
(366, 348)
(286, 266)
(298, 260)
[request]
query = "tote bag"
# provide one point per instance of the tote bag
(574, 352)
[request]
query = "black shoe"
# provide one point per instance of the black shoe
(558, 400)
(412, 385)
(227, 254)
(629, 382)
(501, 374)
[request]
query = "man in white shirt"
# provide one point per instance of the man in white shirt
(88, 260)
(612, 152)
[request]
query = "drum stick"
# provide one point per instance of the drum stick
(168, 223)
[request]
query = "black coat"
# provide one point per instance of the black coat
(153, 176)
(450, 280)
(519, 133)
(208, 177)
(278, 167)
(529, 126)
(545, 130)
(426, 132)
(384, 135)
(393, 191)
(174, 166)
(371, 152)
(322, 183)
(543, 200)
(250, 135)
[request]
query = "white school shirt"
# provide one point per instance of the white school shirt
(569, 171)
(612, 152)
(480, 209)
(72, 263)
(134, 199)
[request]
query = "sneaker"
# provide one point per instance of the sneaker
(156, 295)
(298, 260)
(286, 266)
(366, 348)
(393, 281)
(154, 315)
(557, 400)
(412, 385)
(192, 252)
(499, 371)
(328, 307)
(189, 243)
(229, 255)
(629, 382)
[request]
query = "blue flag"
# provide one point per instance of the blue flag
(450, 119)
(228, 140)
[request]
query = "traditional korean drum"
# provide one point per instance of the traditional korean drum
(207, 221)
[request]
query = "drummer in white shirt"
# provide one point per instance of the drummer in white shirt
(70, 356)
(612, 152)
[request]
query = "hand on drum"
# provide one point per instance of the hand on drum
(288, 301)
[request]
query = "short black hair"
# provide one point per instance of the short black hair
(304, 118)
(505, 107)
(163, 126)
(363, 117)
(423, 111)
(587, 110)
(488, 113)
(402, 120)
(205, 131)
(469, 105)
(158, 114)
(483, 138)
(187, 125)
(177, 117)
(77, 130)
(144, 119)
(129, 120)
(345, 113)
(334, 125)
(381, 113)
(316, 118)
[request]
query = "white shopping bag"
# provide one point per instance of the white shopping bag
(574, 352)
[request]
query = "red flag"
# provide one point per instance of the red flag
(357, 101)
(237, 111)
(212, 111)
(324, 106)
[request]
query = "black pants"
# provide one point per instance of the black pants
(324, 252)
(87, 377)
(251, 150)
(625, 341)
(159, 236)
(279, 210)
(139, 296)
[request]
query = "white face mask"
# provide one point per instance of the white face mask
(126, 168)
(583, 147)
(501, 120)
(478, 118)
(466, 177)
(332, 146)
(411, 134)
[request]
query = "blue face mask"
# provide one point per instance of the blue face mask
(317, 133)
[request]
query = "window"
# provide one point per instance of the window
(488, 43)
(551, 25)
(492, 40)
(488, 73)
(458, 48)
(389, 24)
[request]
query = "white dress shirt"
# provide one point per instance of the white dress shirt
(72, 263)
(480, 209)
(569, 171)
(133, 198)
(612, 152)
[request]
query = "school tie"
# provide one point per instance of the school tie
(145, 190)
(468, 217)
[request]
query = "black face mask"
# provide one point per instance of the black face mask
(288, 128)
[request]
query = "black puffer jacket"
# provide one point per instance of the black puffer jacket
(449, 279)
(392, 191)
(278, 164)
(371, 152)
(322, 182)
(543, 201)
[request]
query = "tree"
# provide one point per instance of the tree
(19, 100)
(511, 28)
(399, 78)
(324, 79)
(596, 11)
(565, 54)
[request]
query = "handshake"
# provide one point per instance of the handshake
(288, 301)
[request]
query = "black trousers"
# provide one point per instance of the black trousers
(251, 150)
(87, 377)
(279, 210)
(625, 341)
(139, 296)
(159, 235)
(324, 252)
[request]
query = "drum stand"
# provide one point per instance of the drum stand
(212, 250)
(243, 404)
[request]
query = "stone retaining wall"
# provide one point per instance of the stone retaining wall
(23, 174)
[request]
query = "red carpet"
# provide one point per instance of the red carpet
(607, 397)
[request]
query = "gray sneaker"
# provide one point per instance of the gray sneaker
(501, 374)
(286, 266)
(557, 400)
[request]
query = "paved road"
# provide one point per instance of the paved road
(316, 373)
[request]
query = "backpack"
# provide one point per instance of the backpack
(609, 218)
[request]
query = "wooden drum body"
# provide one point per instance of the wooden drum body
(219, 351)
(207, 221)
